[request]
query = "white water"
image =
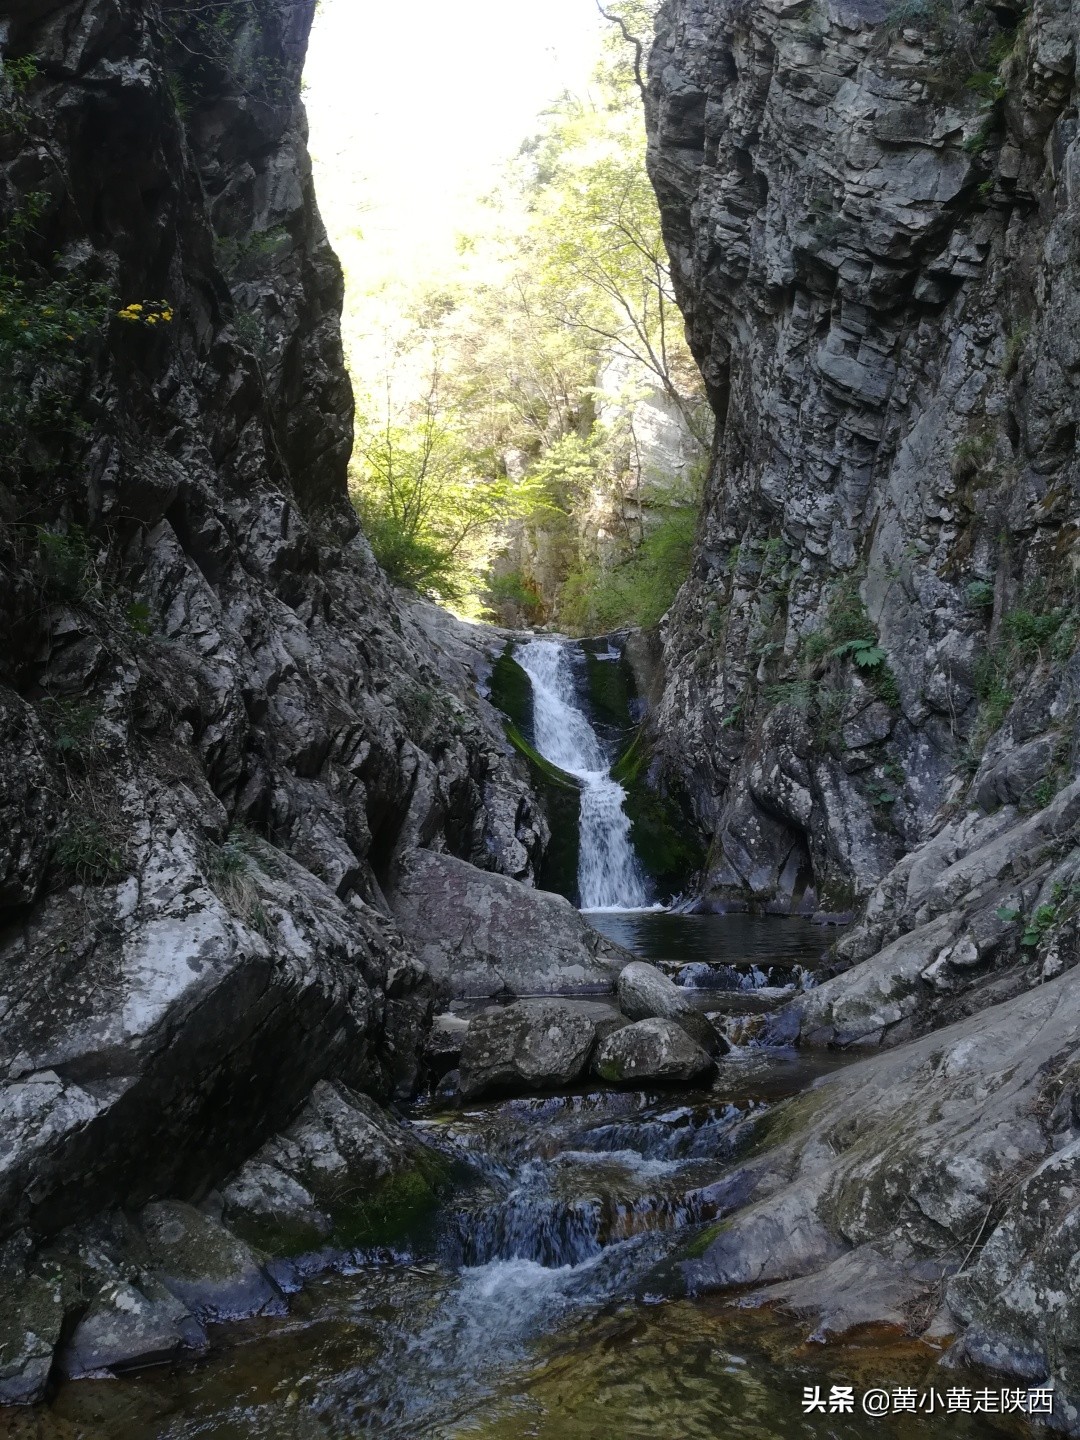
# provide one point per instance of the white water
(609, 877)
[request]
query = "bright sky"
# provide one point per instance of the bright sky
(413, 108)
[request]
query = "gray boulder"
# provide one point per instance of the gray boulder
(442, 1048)
(645, 993)
(531, 1045)
(654, 1049)
(130, 1325)
(215, 1275)
(481, 935)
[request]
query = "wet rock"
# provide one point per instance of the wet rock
(530, 1045)
(207, 1268)
(876, 1182)
(442, 1048)
(480, 934)
(653, 1049)
(345, 1172)
(35, 1301)
(129, 1326)
(644, 993)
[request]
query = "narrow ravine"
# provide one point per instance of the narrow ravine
(609, 875)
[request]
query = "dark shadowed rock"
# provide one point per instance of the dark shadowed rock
(654, 1049)
(345, 1172)
(213, 1273)
(128, 1326)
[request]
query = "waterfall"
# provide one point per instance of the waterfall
(609, 877)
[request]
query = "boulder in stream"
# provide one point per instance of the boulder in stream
(531, 1045)
(645, 993)
(653, 1049)
(482, 935)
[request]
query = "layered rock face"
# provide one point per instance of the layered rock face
(220, 729)
(871, 219)
(871, 678)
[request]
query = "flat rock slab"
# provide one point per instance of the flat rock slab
(481, 935)
(653, 1049)
(535, 1044)
(645, 993)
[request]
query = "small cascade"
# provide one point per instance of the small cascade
(609, 876)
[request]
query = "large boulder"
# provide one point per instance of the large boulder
(481, 934)
(531, 1045)
(645, 993)
(654, 1049)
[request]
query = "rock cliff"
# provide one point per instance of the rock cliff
(871, 673)
(871, 219)
(221, 731)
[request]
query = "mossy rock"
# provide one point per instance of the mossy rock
(695, 1248)
(611, 691)
(666, 842)
(400, 1207)
(511, 692)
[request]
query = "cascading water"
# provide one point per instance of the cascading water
(609, 876)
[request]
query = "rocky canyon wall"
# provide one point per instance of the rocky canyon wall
(221, 731)
(872, 224)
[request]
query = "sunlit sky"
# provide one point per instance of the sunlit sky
(414, 108)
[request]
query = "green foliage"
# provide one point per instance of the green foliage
(640, 589)
(1037, 926)
(66, 562)
(863, 653)
(241, 256)
(17, 76)
(88, 852)
(138, 616)
(1027, 635)
(1014, 348)
(72, 724)
(515, 591)
(507, 404)
(49, 323)
(427, 509)
(980, 594)
(219, 47)
(232, 870)
(972, 454)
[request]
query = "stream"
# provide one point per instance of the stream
(541, 1300)
(543, 1297)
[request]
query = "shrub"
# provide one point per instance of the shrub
(640, 589)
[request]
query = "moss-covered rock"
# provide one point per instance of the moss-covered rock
(511, 692)
(345, 1173)
(611, 691)
(667, 844)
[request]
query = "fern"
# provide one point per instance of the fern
(863, 653)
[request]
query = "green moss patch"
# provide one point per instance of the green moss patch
(695, 1248)
(511, 692)
(666, 842)
(611, 690)
(401, 1205)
